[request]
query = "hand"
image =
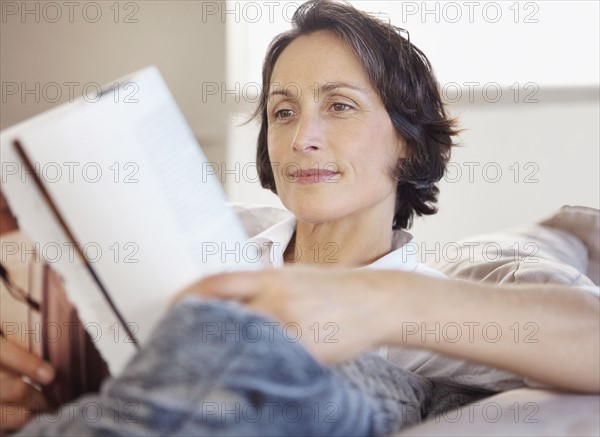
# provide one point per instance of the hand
(341, 313)
(19, 399)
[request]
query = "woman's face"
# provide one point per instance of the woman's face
(331, 142)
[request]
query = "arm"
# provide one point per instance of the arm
(546, 332)
(558, 327)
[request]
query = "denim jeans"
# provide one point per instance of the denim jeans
(217, 369)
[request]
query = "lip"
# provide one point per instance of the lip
(312, 176)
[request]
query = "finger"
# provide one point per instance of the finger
(16, 359)
(6, 373)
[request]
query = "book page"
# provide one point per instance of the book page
(132, 184)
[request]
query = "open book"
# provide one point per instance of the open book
(115, 193)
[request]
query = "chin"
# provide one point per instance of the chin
(316, 210)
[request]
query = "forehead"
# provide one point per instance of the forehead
(320, 57)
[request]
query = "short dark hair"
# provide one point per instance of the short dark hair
(403, 77)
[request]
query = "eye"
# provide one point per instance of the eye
(282, 114)
(341, 107)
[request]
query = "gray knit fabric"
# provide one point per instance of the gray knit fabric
(216, 369)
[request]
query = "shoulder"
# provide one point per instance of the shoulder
(257, 218)
(426, 270)
(404, 256)
(594, 289)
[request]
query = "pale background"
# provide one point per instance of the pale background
(210, 55)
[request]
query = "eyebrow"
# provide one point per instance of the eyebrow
(325, 88)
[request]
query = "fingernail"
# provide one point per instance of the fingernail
(45, 373)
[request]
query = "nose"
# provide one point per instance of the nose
(309, 133)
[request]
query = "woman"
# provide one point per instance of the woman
(353, 134)
(353, 138)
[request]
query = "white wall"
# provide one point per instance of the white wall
(554, 144)
(550, 127)
(193, 42)
(553, 43)
(87, 46)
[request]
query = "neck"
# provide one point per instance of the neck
(351, 241)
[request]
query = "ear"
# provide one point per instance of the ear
(401, 147)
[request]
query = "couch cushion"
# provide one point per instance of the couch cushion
(584, 223)
(521, 412)
(532, 254)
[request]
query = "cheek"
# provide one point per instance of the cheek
(376, 175)
(391, 146)
(275, 147)
(273, 157)
(375, 156)
(278, 163)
